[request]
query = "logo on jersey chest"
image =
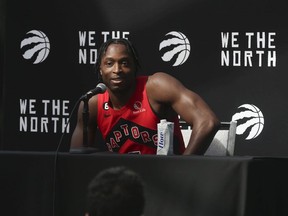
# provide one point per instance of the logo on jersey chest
(137, 107)
(126, 130)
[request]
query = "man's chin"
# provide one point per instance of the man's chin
(117, 89)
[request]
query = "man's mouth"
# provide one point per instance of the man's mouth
(116, 80)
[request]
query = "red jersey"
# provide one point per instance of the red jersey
(133, 128)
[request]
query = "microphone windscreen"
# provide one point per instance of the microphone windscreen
(102, 87)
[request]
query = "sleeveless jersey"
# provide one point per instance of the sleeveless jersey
(133, 128)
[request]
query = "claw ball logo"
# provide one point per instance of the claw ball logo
(35, 46)
(175, 48)
(250, 120)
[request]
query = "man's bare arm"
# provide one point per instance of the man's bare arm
(164, 89)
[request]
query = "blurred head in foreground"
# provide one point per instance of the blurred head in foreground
(116, 191)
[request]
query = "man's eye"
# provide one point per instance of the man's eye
(125, 63)
(109, 63)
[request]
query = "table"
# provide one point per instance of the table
(39, 183)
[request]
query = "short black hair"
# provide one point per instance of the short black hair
(130, 49)
(116, 191)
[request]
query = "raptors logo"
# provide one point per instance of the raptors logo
(35, 46)
(250, 120)
(175, 48)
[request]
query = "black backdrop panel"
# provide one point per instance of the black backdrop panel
(234, 57)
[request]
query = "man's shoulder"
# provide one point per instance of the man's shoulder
(161, 77)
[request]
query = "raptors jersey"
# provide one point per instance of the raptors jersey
(133, 128)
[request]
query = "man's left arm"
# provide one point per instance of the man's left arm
(204, 123)
(192, 109)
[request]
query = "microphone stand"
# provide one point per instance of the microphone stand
(100, 89)
(85, 115)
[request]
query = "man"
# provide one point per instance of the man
(128, 113)
(116, 191)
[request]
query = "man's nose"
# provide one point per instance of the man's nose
(118, 68)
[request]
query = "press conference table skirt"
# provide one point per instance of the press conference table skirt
(43, 183)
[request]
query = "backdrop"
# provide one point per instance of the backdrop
(232, 53)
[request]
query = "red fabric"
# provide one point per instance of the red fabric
(133, 128)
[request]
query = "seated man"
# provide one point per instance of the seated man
(128, 112)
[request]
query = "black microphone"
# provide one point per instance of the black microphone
(99, 89)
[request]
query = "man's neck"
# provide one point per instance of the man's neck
(120, 99)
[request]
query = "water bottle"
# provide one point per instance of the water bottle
(165, 131)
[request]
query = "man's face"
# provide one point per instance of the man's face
(117, 68)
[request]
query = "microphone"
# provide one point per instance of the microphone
(99, 89)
